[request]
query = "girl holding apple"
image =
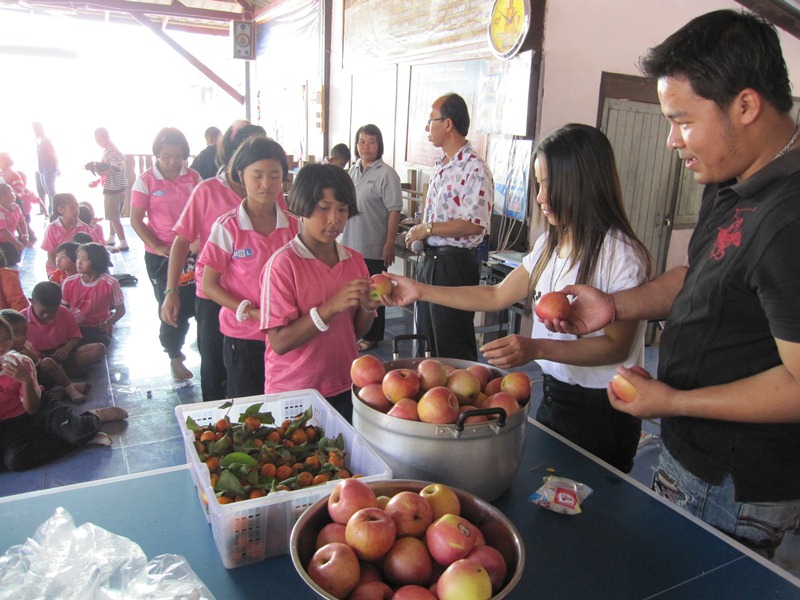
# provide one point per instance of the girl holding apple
(241, 241)
(315, 299)
(587, 239)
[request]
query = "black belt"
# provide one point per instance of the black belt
(440, 250)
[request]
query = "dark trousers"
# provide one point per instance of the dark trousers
(375, 334)
(171, 338)
(46, 187)
(585, 417)
(451, 332)
(343, 403)
(94, 335)
(213, 375)
(244, 363)
(30, 441)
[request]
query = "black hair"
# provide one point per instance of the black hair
(70, 249)
(720, 54)
(47, 293)
(173, 137)
(11, 254)
(454, 108)
(233, 138)
(61, 200)
(253, 149)
(84, 214)
(82, 238)
(97, 255)
(311, 182)
(12, 317)
(341, 151)
(372, 130)
(212, 133)
(585, 197)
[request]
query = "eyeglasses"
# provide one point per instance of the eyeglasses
(432, 119)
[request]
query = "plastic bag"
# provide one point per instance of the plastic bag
(561, 495)
(65, 562)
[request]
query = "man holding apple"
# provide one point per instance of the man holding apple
(457, 216)
(728, 386)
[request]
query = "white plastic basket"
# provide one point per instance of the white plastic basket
(252, 530)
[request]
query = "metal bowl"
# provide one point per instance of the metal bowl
(498, 530)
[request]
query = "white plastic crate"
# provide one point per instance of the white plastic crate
(252, 530)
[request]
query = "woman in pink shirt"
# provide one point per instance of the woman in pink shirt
(157, 200)
(211, 199)
(241, 241)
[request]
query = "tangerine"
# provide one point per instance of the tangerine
(221, 425)
(208, 436)
(283, 488)
(311, 433)
(212, 462)
(252, 423)
(336, 459)
(283, 472)
(299, 436)
(305, 479)
(321, 478)
(223, 499)
(312, 462)
(274, 436)
(257, 493)
(268, 470)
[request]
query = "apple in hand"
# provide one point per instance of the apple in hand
(406, 408)
(332, 532)
(348, 497)
(443, 500)
(372, 395)
(370, 533)
(518, 384)
(438, 405)
(366, 369)
(623, 388)
(464, 385)
(465, 579)
(408, 562)
(431, 374)
(552, 306)
(380, 286)
(450, 538)
(400, 383)
(411, 513)
(494, 563)
(335, 569)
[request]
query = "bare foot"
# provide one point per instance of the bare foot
(179, 370)
(101, 439)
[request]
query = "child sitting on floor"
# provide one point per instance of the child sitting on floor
(86, 214)
(66, 257)
(12, 222)
(11, 294)
(94, 296)
(53, 331)
(49, 371)
(34, 430)
(63, 228)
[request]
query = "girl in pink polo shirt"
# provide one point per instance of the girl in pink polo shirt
(240, 243)
(94, 296)
(314, 298)
(157, 200)
(63, 228)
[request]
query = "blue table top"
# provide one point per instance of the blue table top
(627, 542)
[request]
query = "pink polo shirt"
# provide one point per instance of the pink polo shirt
(10, 217)
(11, 391)
(238, 252)
(56, 234)
(46, 337)
(163, 200)
(211, 199)
(91, 302)
(294, 282)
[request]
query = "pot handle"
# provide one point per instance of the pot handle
(500, 412)
(423, 339)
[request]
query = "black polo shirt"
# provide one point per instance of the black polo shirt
(741, 291)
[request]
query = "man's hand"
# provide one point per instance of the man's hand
(404, 291)
(590, 310)
(653, 399)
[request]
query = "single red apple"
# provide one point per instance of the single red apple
(335, 569)
(450, 538)
(518, 384)
(438, 405)
(431, 374)
(366, 369)
(372, 590)
(348, 497)
(370, 532)
(443, 499)
(413, 592)
(411, 513)
(464, 385)
(493, 562)
(332, 532)
(400, 383)
(552, 306)
(623, 388)
(482, 373)
(380, 286)
(406, 408)
(503, 400)
(372, 395)
(464, 578)
(408, 562)
(493, 386)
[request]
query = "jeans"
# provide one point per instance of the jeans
(758, 525)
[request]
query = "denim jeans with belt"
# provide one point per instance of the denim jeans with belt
(585, 416)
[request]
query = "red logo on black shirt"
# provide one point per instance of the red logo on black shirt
(730, 235)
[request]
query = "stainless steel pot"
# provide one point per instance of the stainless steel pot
(480, 458)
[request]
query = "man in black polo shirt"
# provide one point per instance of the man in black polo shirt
(457, 215)
(728, 384)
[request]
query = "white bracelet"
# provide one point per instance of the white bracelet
(241, 310)
(318, 322)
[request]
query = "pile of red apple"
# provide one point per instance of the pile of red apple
(436, 392)
(412, 546)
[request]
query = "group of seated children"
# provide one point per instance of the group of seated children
(60, 334)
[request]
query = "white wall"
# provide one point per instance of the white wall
(583, 38)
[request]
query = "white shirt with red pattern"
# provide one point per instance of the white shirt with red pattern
(91, 302)
(461, 188)
(239, 253)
